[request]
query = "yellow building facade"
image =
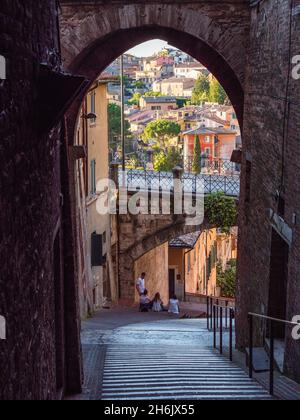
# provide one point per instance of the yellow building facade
(98, 282)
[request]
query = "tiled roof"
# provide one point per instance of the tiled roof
(205, 130)
(185, 241)
(189, 66)
(184, 80)
(159, 99)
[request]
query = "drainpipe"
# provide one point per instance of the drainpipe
(184, 272)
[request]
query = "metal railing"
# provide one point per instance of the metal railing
(272, 322)
(164, 181)
(210, 166)
(220, 318)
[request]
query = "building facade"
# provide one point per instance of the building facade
(97, 283)
(178, 87)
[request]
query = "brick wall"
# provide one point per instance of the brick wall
(271, 143)
(30, 203)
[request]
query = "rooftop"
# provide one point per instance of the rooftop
(205, 130)
(185, 241)
(189, 66)
(159, 99)
(184, 80)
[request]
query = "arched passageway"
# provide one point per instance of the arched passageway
(94, 35)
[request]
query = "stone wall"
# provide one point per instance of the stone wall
(139, 234)
(94, 34)
(30, 216)
(155, 265)
(271, 146)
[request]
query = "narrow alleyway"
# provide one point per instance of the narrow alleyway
(131, 355)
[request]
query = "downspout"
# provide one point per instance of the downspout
(184, 272)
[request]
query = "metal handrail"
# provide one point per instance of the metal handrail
(210, 303)
(215, 314)
(283, 321)
(272, 321)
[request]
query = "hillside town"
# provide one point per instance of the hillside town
(173, 88)
(176, 115)
(149, 202)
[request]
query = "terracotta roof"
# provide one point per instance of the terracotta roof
(206, 130)
(189, 66)
(159, 99)
(184, 80)
(186, 241)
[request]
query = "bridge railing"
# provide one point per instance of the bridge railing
(192, 183)
(209, 166)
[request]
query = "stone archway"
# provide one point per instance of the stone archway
(140, 234)
(93, 34)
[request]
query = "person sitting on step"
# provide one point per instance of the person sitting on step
(158, 305)
(145, 302)
(174, 305)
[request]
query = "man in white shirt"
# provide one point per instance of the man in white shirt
(140, 284)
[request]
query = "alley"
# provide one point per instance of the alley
(135, 356)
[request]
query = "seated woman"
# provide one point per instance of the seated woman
(145, 302)
(158, 305)
(174, 306)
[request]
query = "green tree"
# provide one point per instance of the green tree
(221, 211)
(201, 90)
(161, 131)
(166, 162)
(196, 167)
(139, 84)
(114, 123)
(152, 94)
(227, 280)
(135, 100)
(217, 93)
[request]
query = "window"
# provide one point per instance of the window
(189, 262)
(93, 106)
(93, 177)
(207, 139)
(207, 151)
(96, 250)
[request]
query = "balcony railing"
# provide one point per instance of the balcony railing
(192, 183)
(209, 166)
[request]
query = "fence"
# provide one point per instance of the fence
(210, 166)
(164, 181)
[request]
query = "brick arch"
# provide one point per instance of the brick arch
(152, 232)
(94, 34)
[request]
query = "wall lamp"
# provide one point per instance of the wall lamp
(90, 116)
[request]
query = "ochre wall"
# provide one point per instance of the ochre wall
(155, 264)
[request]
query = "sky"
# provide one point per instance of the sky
(148, 48)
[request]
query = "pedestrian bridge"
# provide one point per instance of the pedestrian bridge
(192, 183)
